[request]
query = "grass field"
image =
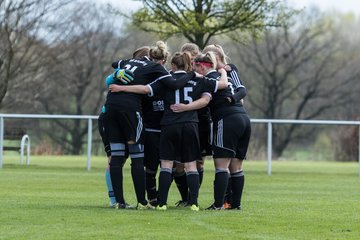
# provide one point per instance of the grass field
(57, 198)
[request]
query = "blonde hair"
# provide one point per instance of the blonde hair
(208, 59)
(141, 52)
(192, 48)
(218, 50)
(159, 52)
(182, 61)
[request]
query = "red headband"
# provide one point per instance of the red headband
(204, 64)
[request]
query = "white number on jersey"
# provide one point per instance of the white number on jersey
(128, 67)
(187, 90)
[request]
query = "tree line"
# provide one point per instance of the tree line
(55, 55)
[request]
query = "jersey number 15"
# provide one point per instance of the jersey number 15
(187, 90)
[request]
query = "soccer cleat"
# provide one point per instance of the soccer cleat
(212, 207)
(112, 205)
(181, 203)
(235, 208)
(227, 205)
(123, 206)
(154, 202)
(145, 207)
(162, 208)
(194, 207)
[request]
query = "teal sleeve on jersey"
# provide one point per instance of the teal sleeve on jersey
(110, 80)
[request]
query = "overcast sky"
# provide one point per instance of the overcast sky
(339, 5)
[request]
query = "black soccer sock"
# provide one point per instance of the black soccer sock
(201, 175)
(220, 184)
(138, 177)
(137, 171)
(237, 186)
(181, 183)
(151, 184)
(192, 178)
(165, 179)
(228, 193)
(116, 165)
(173, 171)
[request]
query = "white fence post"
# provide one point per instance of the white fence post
(89, 144)
(269, 148)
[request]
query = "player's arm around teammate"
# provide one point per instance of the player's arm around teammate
(204, 100)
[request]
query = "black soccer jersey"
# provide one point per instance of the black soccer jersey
(219, 105)
(234, 75)
(192, 91)
(153, 110)
(236, 84)
(145, 71)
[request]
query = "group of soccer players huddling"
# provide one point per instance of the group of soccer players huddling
(174, 119)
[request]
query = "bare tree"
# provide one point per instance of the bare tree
(68, 69)
(76, 71)
(297, 72)
(20, 23)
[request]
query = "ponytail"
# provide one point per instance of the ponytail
(159, 52)
(182, 61)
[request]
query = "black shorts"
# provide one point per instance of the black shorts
(103, 136)
(231, 136)
(152, 149)
(205, 135)
(122, 127)
(180, 142)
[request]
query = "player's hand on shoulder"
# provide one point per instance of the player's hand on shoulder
(227, 68)
(198, 75)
